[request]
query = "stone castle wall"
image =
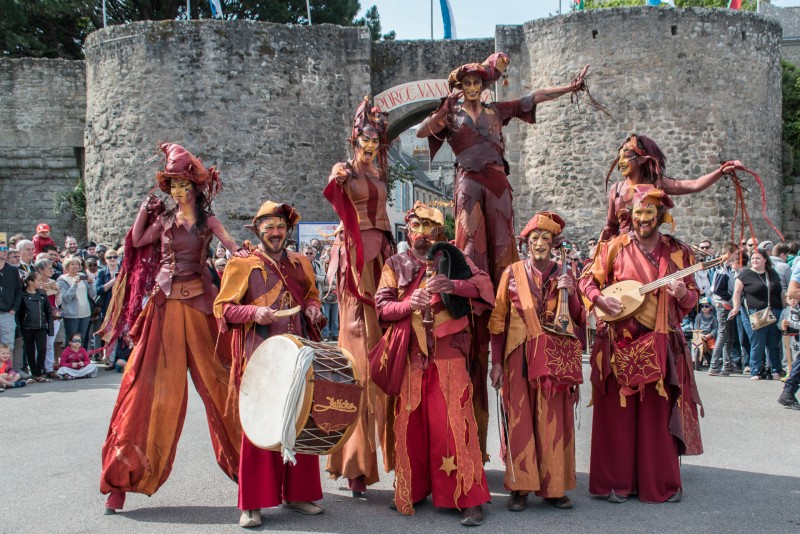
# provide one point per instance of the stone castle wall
(705, 84)
(268, 104)
(42, 110)
(271, 105)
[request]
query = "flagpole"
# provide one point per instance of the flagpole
(308, 10)
(188, 10)
(431, 20)
(105, 16)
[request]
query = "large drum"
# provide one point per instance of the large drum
(328, 404)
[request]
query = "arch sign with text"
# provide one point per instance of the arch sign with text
(419, 91)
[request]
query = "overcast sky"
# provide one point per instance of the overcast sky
(411, 19)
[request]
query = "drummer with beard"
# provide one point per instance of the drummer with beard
(436, 448)
(253, 289)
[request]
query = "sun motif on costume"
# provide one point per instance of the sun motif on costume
(637, 363)
(563, 356)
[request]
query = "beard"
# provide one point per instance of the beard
(273, 245)
(420, 243)
(650, 228)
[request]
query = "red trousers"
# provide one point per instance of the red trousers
(265, 481)
(632, 449)
(429, 441)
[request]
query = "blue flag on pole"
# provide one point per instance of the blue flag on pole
(216, 8)
(448, 19)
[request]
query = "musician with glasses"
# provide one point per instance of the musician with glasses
(436, 448)
(537, 327)
(253, 289)
(643, 390)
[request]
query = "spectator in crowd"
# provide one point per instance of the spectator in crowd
(12, 243)
(104, 284)
(706, 322)
(704, 278)
(75, 361)
(767, 246)
(26, 255)
(55, 258)
(36, 322)
(42, 238)
(219, 265)
(9, 378)
(13, 259)
(778, 257)
(794, 247)
(77, 289)
(45, 268)
(726, 357)
(327, 293)
(10, 298)
(100, 252)
(787, 397)
(71, 246)
(317, 244)
(220, 253)
(761, 287)
(89, 249)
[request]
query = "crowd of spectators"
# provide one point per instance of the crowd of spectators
(52, 300)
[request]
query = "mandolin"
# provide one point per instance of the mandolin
(632, 293)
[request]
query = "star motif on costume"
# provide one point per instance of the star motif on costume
(448, 464)
(564, 356)
(637, 362)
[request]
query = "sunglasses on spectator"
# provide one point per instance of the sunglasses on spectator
(74, 340)
(114, 257)
(705, 305)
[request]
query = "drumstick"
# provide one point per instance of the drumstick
(287, 313)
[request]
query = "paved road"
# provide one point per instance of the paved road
(747, 481)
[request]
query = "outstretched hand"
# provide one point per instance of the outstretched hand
(579, 82)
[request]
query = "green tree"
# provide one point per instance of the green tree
(57, 28)
(791, 115)
(372, 20)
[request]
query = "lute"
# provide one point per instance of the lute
(632, 293)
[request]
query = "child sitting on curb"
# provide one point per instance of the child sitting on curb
(9, 378)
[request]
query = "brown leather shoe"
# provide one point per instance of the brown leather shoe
(472, 516)
(563, 503)
(517, 502)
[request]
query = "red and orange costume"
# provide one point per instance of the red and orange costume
(541, 372)
(248, 283)
(643, 390)
(357, 192)
(174, 333)
(436, 448)
(483, 205)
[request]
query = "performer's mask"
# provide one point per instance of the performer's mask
(273, 233)
(181, 190)
(472, 85)
(419, 230)
(628, 160)
(540, 243)
(367, 144)
(645, 219)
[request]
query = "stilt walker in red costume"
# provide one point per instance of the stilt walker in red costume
(537, 331)
(641, 161)
(252, 290)
(357, 192)
(165, 259)
(643, 390)
(436, 448)
(483, 203)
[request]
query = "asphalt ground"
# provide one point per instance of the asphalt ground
(748, 480)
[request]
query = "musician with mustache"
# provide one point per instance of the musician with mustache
(253, 289)
(536, 358)
(643, 390)
(436, 448)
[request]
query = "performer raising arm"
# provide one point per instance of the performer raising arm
(483, 211)
(641, 161)
(175, 331)
(252, 290)
(357, 192)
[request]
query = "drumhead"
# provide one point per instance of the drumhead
(264, 390)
